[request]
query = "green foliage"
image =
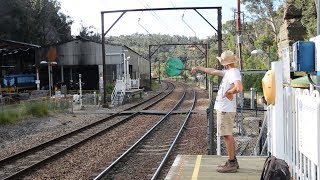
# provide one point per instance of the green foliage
(191, 54)
(184, 77)
(252, 80)
(154, 84)
(34, 21)
(8, 116)
(264, 16)
(140, 43)
(214, 79)
(229, 36)
(309, 16)
(109, 88)
(90, 33)
(37, 109)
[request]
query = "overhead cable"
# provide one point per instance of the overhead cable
(195, 34)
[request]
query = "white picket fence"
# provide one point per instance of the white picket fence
(294, 129)
(302, 132)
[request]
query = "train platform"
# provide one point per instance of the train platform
(203, 167)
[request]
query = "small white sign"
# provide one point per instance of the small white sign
(37, 81)
(308, 127)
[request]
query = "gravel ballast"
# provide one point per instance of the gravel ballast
(20, 136)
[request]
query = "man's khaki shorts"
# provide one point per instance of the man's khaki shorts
(225, 123)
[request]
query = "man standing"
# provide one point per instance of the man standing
(225, 104)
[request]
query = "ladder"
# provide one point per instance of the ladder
(118, 93)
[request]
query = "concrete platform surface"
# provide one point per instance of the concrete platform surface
(203, 167)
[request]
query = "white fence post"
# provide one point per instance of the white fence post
(277, 121)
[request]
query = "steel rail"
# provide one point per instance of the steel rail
(59, 139)
(103, 174)
(156, 174)
(49, 142)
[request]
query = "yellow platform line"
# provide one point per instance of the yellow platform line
(196, 168)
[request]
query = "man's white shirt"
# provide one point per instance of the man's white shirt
(222, 103)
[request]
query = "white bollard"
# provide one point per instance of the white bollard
(80, 91)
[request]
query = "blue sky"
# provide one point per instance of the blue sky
(187, 23)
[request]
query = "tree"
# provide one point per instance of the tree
(309, 16)
(263, 11)
(90, 33)
(53, 26)
(34, 21)
(13, 18)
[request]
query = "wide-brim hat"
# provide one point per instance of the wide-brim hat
(227, 57)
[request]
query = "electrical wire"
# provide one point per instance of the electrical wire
(156, 16)
(195, 34)
(310, 80)
(172, 3)
(143, 27)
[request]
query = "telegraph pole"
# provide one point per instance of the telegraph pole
(239, 40)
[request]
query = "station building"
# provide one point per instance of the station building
(71, 58)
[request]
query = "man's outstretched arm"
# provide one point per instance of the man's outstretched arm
(210, 71)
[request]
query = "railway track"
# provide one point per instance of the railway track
(148, 155)
(17, 165)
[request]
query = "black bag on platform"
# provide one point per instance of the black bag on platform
(275, 169)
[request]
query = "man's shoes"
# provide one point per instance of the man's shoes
(221, 165)
(228, 167)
